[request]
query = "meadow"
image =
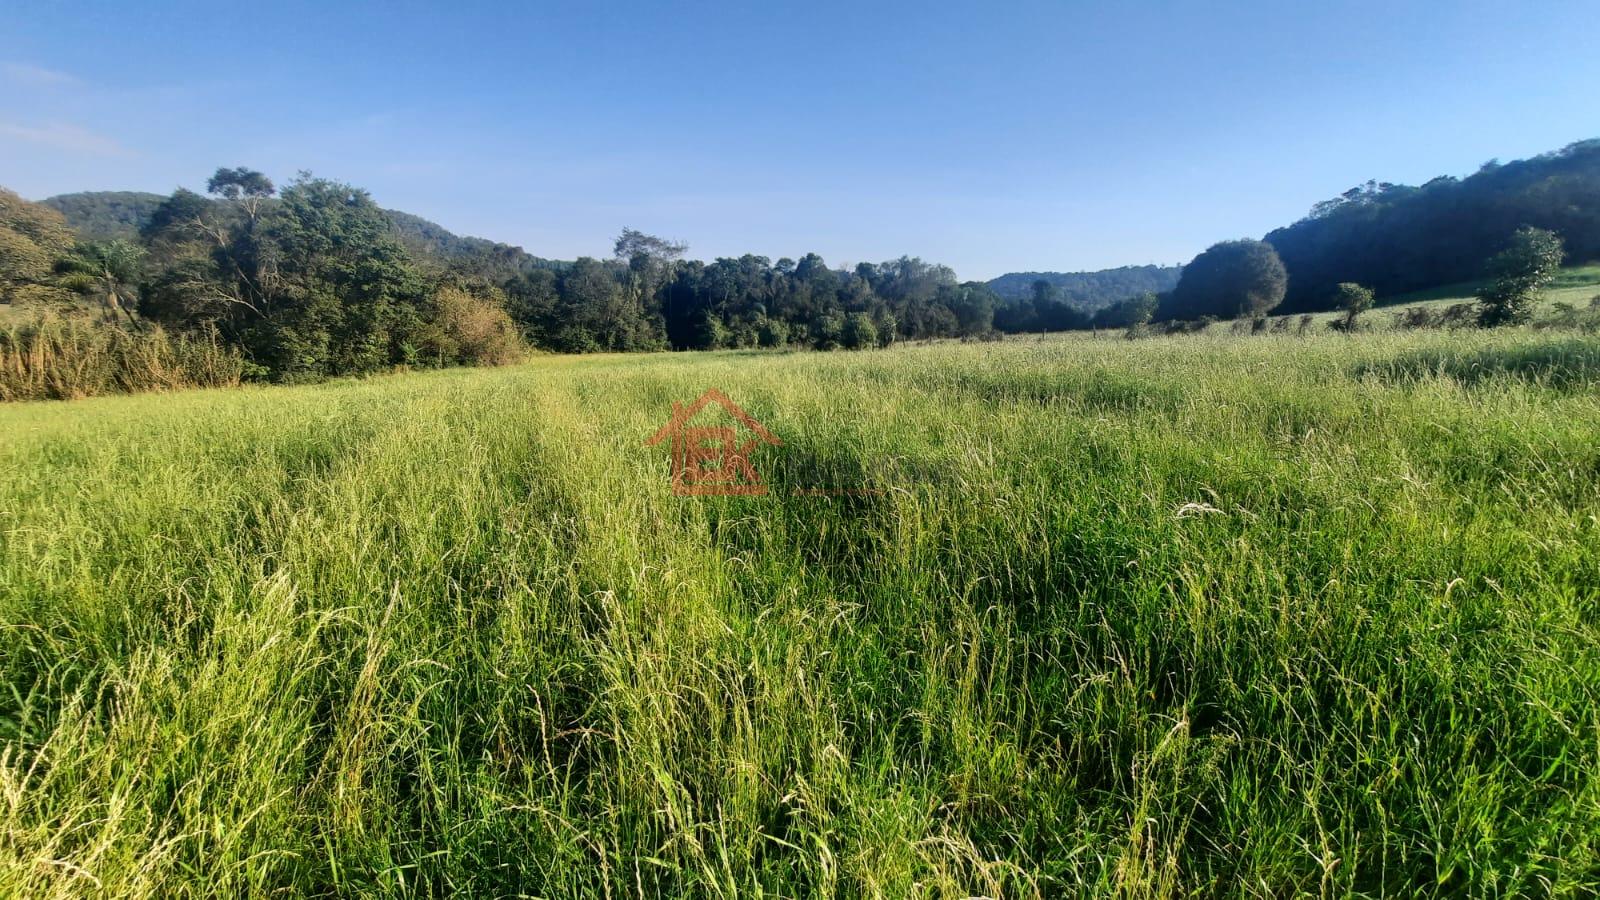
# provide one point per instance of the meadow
(1191, 616)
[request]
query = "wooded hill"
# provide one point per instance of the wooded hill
(1089, 291)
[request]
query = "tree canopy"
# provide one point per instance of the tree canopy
(1396, 238)
(318, 280)
(1517, 275)
(1231, 279)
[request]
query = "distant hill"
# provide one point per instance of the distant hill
(430, 240)
(113, 215)
(433, 239)
(106, 215)
(1091, 290)
(1398, 238)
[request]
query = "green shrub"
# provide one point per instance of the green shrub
(471, 330)
(859, 332)
(773, 333)
(1354, 300)
(1518, 274)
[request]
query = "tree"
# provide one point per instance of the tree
(1044, 293)
(1089, 290)
(1129, 312)
(1397, 238)
(105, 273)
(246, 186)
(634, 243)
(1354, 300)
(318, 287)
(1517, 275)
(338, 294)
(594, 301)
(1140, 310)
(973, 304)
(533, 300)
(1230, 279)
(176, 217)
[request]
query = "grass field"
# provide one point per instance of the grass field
(1577, 286)
(1574, 284)
(1184, 616)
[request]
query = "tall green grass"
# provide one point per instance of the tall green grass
(1199, 616)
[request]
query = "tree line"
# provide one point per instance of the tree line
(317, 280)
(1397, 238)
(1374, 240)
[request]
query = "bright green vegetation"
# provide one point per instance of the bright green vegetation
(1200, 615)
(1577, 285)
(318, 281)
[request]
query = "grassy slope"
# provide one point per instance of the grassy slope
(1576, 285)
(450, 632)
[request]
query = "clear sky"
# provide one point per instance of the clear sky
(992, 137)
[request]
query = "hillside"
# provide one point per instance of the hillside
(106, 215)
(1399, 239)
(1090, 290)
(491, 259)
(118, 215)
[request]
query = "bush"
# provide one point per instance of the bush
(64, 359)
(828, 332)
(471, 330)
(859, 332)
(888, 330)
(1457, 315)
(1416, 317)
(1569, 316)
(1518, 273)
(773, 333)
(1354, 300)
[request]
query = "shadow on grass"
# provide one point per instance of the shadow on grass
(1569, 364)
(1097, 391)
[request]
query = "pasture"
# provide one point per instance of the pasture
(1201, 615)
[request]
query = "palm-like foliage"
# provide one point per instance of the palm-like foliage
(106, 272)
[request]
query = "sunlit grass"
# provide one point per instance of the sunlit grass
(1205, 615)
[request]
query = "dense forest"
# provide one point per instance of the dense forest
(106, 215)
(317, 280)
(1397, 238)
(1088, 291)
(1390, 238)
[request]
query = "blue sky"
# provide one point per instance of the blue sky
(992, 137)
